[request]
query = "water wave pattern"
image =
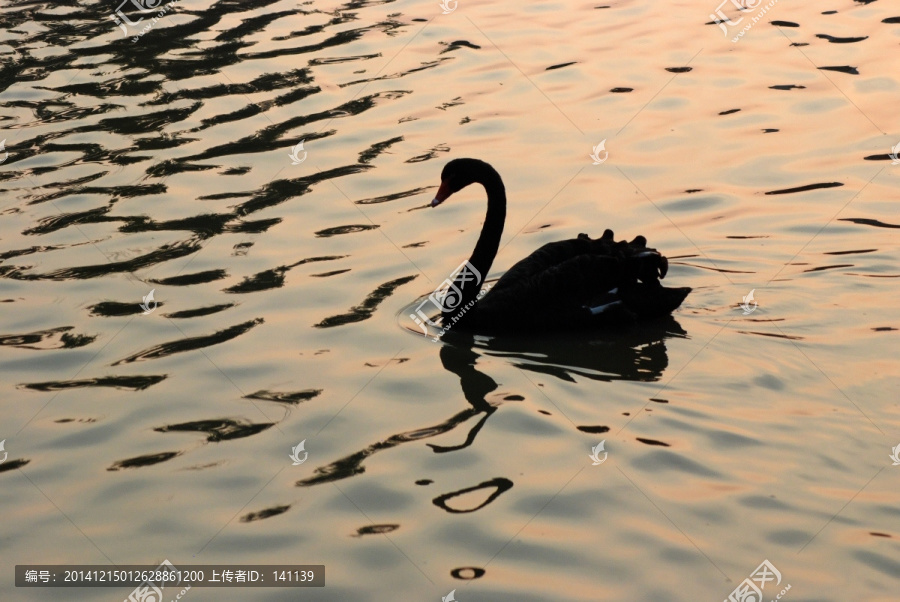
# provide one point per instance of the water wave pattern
(215, 228)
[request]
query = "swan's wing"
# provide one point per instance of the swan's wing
(582, 281)
(555, 293)
(550, 255)
(640, 262)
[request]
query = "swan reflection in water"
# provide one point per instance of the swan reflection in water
(638, 354)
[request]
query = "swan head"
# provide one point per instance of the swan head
(458, 174)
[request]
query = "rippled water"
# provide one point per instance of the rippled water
(161, 161)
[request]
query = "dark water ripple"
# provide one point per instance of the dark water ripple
(459, 44)
(647, 441)
(836, 40)
(431, 154)
(53, 338)
(372, 153)
(191, 279)
(190, 343)
(842, 69)
(865, 221)
(13, 464)
(331, 273)
(467, 573)
(40, 249)
(68, 188)
(116, 309)
(266, 513)
(128, 383)
(64, 220)
(560, 65)
(290, 397)
(393, 197)
(348, 229)
(376, 529)
(365, 310)
(224, 429)
(140, 461)
(806, 188)
(500, 485)
(200, 311)
(164, 253)
(273, 278)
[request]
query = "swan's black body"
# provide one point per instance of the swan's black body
(581, 282)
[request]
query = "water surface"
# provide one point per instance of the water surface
(282, 289)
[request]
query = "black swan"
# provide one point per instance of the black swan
(580, 283)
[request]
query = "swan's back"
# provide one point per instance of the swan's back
(580, 282)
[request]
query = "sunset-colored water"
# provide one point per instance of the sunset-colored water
(164, 156)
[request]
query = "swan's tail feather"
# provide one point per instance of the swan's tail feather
(649, 301)
(640, 270)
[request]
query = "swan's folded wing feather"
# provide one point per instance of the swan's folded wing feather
(558, 284)
(548, 256)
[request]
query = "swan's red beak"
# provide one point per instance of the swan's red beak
(442, 194)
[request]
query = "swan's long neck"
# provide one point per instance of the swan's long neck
(489, 240)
